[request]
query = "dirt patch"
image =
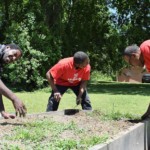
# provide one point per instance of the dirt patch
(92, 124)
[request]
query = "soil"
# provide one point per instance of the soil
(92, 123)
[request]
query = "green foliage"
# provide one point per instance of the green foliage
(132, 20)
(99, 76)
(66, 144)
(10, 146)
(50, 30)
(28, 70)
(113, 115)
(96, 140)
(118, 116)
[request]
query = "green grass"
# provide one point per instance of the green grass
(108, 97)
(46, 134)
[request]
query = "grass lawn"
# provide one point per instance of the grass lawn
(108, 97)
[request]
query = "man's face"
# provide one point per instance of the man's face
(11, 55)
(83, 65)
(133, 60)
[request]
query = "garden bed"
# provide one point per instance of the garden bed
(80, 130)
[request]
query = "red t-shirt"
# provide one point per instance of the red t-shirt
(145, 49)
(64, 73)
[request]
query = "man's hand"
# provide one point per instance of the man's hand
(78, 100)
(18, 105)
(7, 115)
(20, 108)
(57, 96)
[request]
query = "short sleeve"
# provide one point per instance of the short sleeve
(56, 71)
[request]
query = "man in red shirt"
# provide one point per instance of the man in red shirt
(73, 73)
(139, 56)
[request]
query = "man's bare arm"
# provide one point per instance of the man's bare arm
(18, 105)
(82, 87)
(1, 104)
(50, 79)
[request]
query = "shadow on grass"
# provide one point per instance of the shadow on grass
(135, 120)
(101, 87)
(138, 120)
(14, 124)
(119, 88)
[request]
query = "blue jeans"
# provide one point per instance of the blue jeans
(53, 104)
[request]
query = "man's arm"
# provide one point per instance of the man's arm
(18, 105)
(50, 79)
(2, 110)
(82, 87)
(81, 91)
(1, 104)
